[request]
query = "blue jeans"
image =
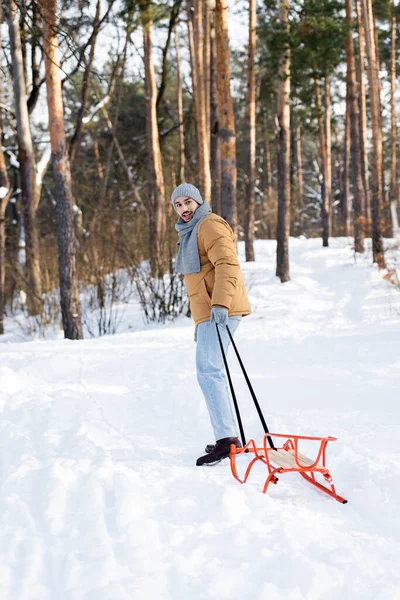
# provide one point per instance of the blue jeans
(212, 378)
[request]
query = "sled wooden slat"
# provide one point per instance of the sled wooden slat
(286, 458)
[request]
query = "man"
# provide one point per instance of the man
(207, 258)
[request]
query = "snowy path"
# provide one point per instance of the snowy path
(100, 498)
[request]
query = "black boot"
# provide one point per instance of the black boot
(220, 451)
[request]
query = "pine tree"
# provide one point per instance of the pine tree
(226, 130)
(69, 286)
(282, 234)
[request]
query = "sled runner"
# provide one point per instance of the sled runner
(284, 459)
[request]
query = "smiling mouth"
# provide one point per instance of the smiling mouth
(185, 215)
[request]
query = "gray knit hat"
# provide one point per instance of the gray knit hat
(186, 189)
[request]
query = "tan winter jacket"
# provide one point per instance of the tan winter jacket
(220, 281)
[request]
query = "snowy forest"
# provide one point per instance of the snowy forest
(288, 126)
(138, 459)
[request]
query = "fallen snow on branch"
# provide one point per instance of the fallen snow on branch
(96, 109)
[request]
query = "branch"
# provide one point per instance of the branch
(174, 17)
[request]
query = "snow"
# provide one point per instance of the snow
(95, 109)
(13, 160)
(100, 497)
(42, 164)
(3, 192)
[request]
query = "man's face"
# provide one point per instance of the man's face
(185, 207)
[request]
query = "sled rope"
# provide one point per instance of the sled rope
(256, 404)
(253, 395)
(235, 403)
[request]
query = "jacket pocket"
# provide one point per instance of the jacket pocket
(204, 292)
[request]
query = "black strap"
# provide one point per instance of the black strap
(256, 404)
(239, 420)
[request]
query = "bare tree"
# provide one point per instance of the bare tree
(115, 93)
(299, 164)
(27, 166)
(266, 222)
(375, 108)
(76, 138)
(180, 111)
(207, 61)
(325, 143)
(250, 135)
(156, 175)
(5, 193)
(327, 201)
(203, 142)
(323, 159)
(394, 191)
(226, 129)
(354, 117)
(174, 14)
(69, 288)
(363, 112)
(215, 149)
(35, 66)
(345, 198)
(282, 232)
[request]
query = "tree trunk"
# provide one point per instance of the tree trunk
(180, 111)
(4, 197)
(193, 70)
(200, 105)
(35, 67)
(345, 208)
(95, 223)
(27, 167)
(356, 170)
(5, 193)
(378, 70)
(266, 212)
(165, 63)
(96, 150)
(363, 114)
(23, 36)
(69, 287)
(327, 208)
(76, 138)
(337, 174)
(250, 143)
(156, 175)
(299, 164)
(373, 80)
(206, 63)
(226, 132)
(215, 154)
(324, 161)
(282, 234)
(394, 192)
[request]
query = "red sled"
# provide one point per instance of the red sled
(288, 459)
(284, 459)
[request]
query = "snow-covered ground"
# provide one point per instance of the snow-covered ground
(100, 497)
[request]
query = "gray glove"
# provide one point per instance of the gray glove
(219, 314)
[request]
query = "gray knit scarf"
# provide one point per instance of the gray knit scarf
(188, 260)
